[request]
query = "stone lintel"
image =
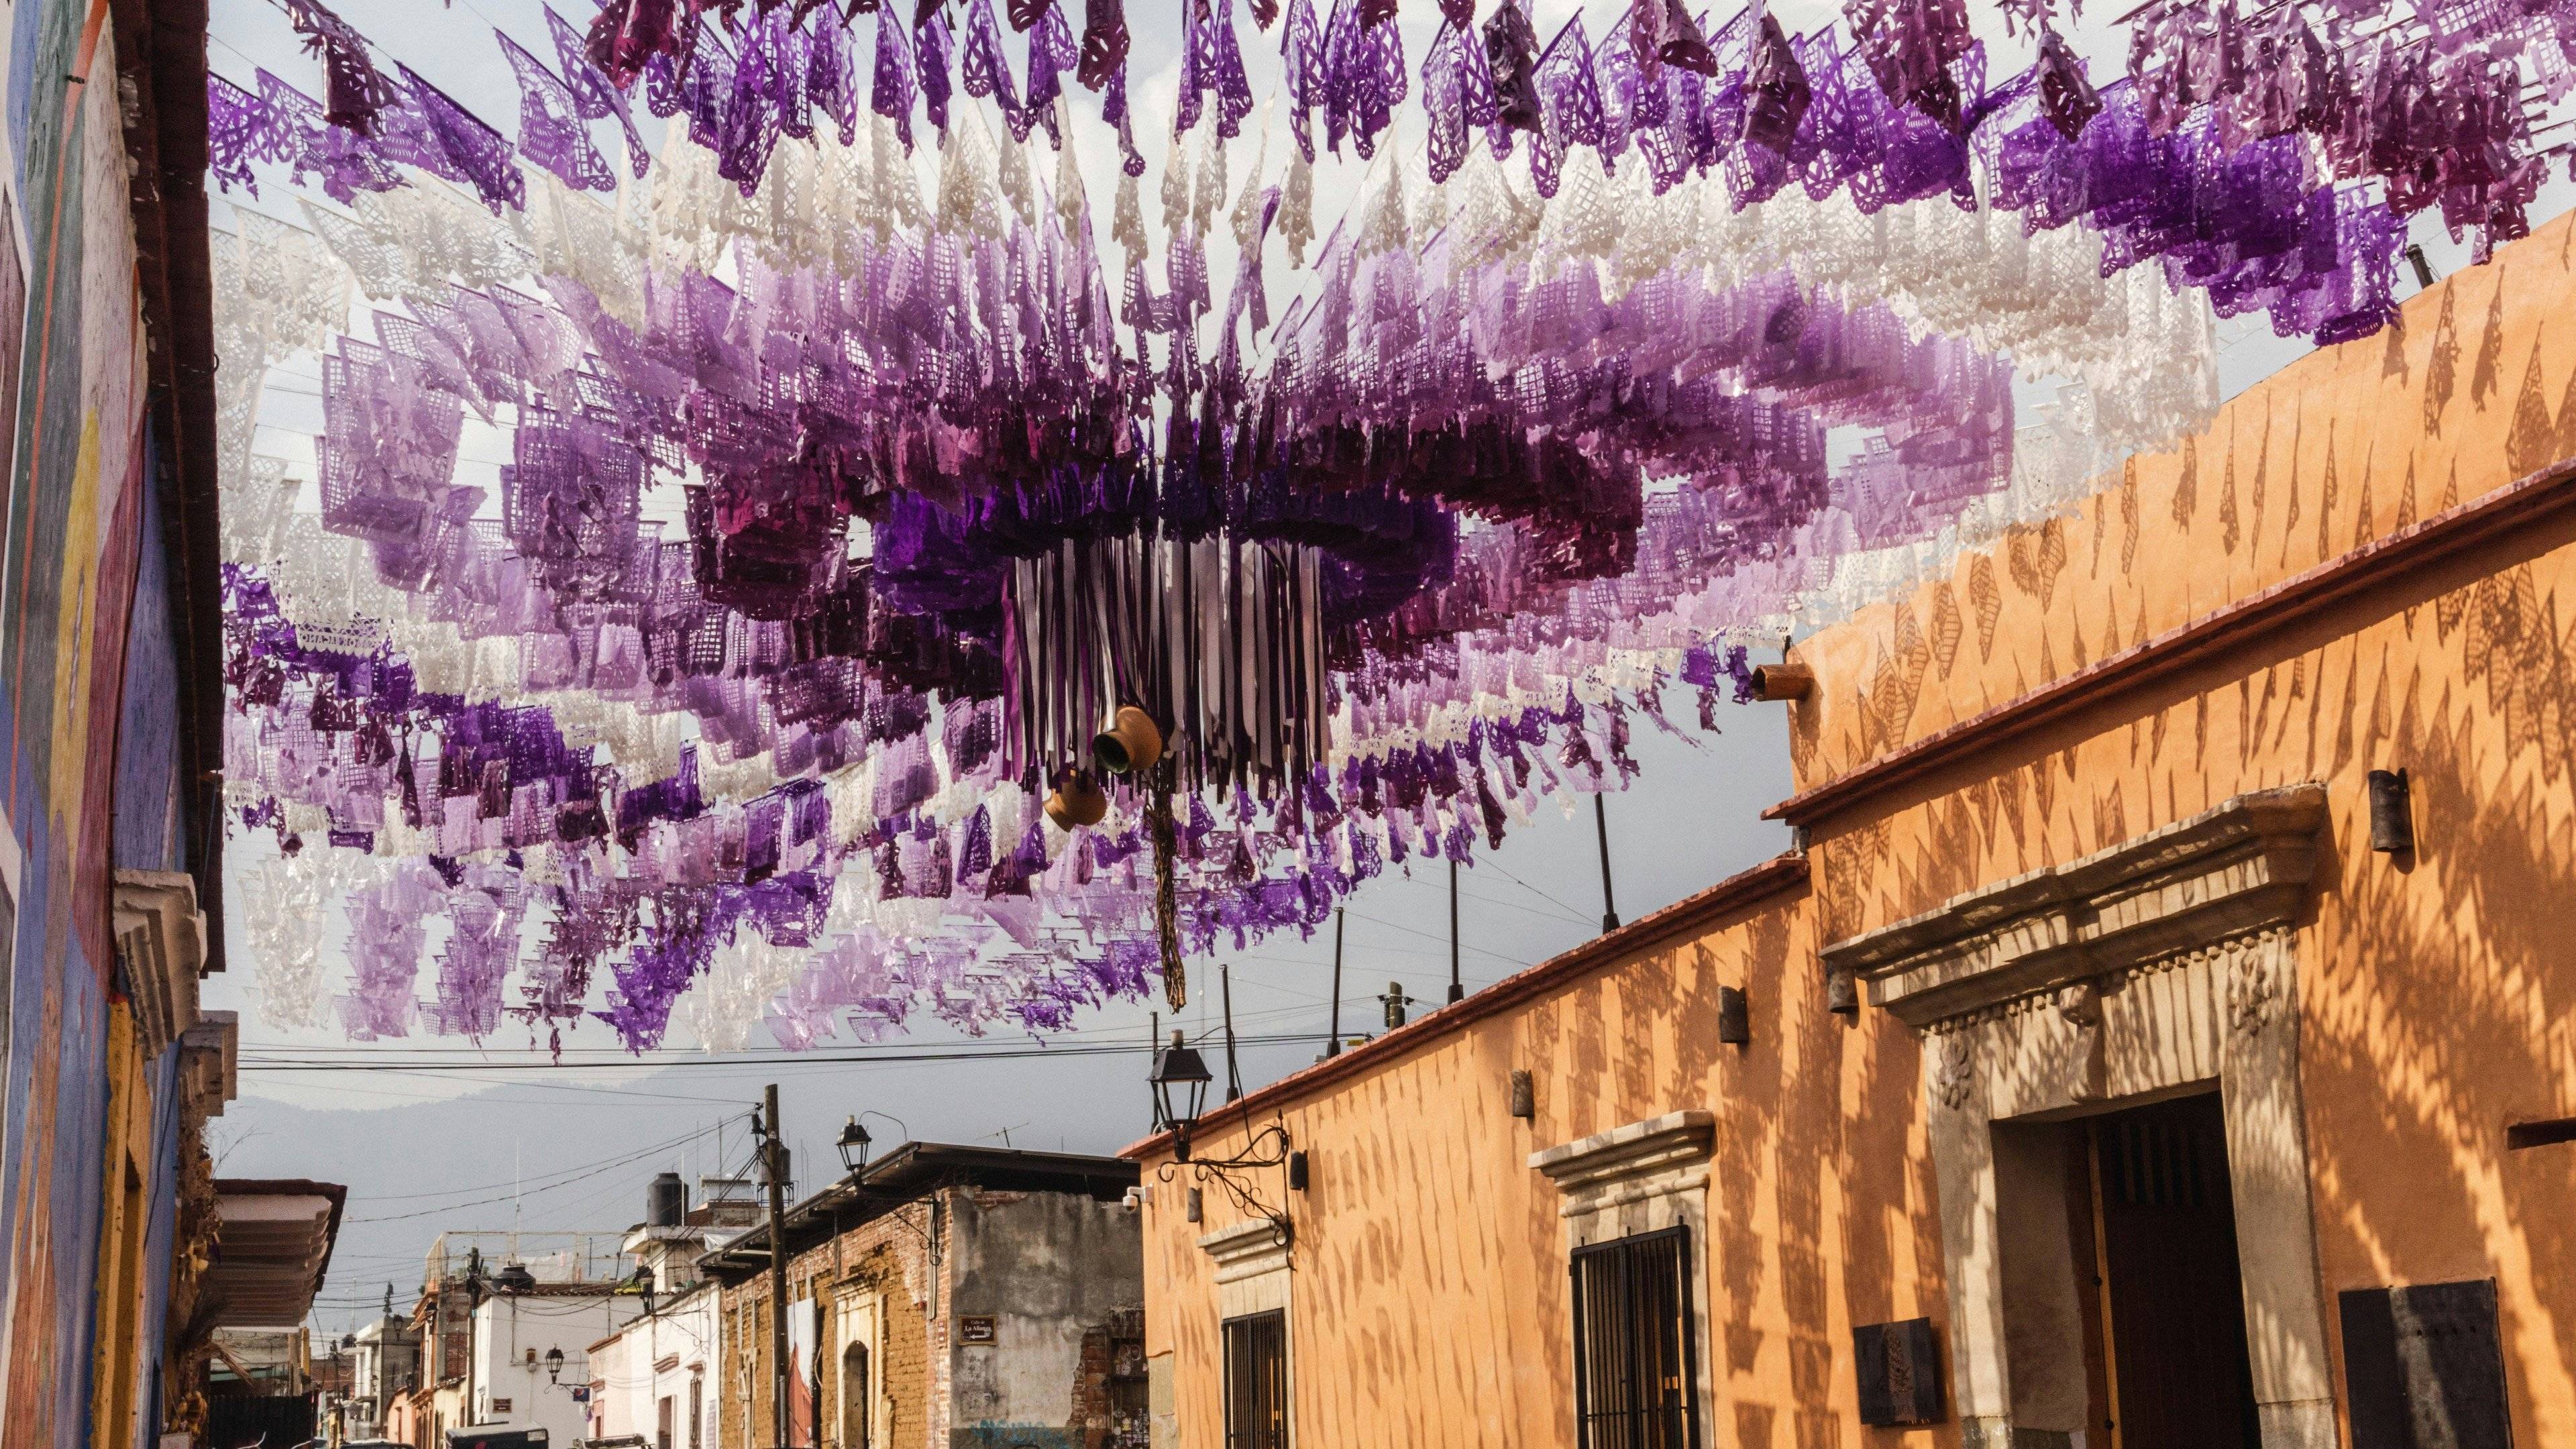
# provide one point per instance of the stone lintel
(2238, 867)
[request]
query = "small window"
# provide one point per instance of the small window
(1256, 1381)
(1635, 1386)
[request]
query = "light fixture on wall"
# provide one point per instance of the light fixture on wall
(2392, 813)
(554, 1365)
(1180, 1081)
(1734, 1017)
(1842, 993)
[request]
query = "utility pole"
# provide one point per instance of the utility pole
(1457, 989)
(384, 1357)
(1601, 822)
(1233, 1075)
(774, 1158)
(1333, 1043)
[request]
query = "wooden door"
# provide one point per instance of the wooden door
(2173, 1294)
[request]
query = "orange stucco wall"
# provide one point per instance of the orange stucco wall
(2438, 1000)
(1429, 1297)
(2438, 994)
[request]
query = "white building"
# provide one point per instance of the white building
(532, 1355)
(384, 1363)
(651, 1381)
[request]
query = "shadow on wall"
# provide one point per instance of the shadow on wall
(2436, 1016)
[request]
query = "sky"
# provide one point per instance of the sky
(436, 1134)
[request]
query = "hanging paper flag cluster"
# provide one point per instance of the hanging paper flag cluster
(842, 511)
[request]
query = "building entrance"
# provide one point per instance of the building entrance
(2171, 1305)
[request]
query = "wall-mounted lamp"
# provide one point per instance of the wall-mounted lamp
(1180, 1081)
(1782, 681)
(1296, 1172)
(1524, 1097)
(1842, 993)
(554, 1365)
(1734, 1017)
(2392, 813)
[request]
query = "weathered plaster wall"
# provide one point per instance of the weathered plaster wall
(1050, 1269)
(2438, 1003)
(890, 1257)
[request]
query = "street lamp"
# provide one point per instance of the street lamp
(1179, 1070)
(554, 1365)
(1180, 1081)
(854, 1143)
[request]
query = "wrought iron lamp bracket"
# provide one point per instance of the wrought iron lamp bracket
(1267, 1149)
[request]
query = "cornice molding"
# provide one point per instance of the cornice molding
(161, 951)
(1245, 1250)
(2240, 867)
(1657, 1157)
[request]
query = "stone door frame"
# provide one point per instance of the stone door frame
(2151, 969)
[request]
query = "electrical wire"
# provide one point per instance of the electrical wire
(854, 1056)
(610, 1166)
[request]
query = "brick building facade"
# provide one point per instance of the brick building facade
(946, 1296)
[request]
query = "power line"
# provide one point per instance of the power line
(682, 1140)
(506, 1197)
(846, 1057)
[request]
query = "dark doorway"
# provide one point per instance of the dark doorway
(2173, 1297)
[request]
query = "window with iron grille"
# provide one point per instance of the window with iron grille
(1256, 1381)
(1635, 1386)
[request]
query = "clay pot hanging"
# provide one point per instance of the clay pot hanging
(1076, 801)
(1132, 743)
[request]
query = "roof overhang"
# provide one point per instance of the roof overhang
(909, 1174)
(273, 1246)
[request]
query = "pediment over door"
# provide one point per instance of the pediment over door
(2236, 869)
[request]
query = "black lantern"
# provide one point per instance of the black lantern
(554, 1365)
(854, 1146)
(1180, 1082)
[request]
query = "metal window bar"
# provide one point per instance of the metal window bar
(1635, 1348)
(1256, 1381)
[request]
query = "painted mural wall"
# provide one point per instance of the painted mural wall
(89, 692)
